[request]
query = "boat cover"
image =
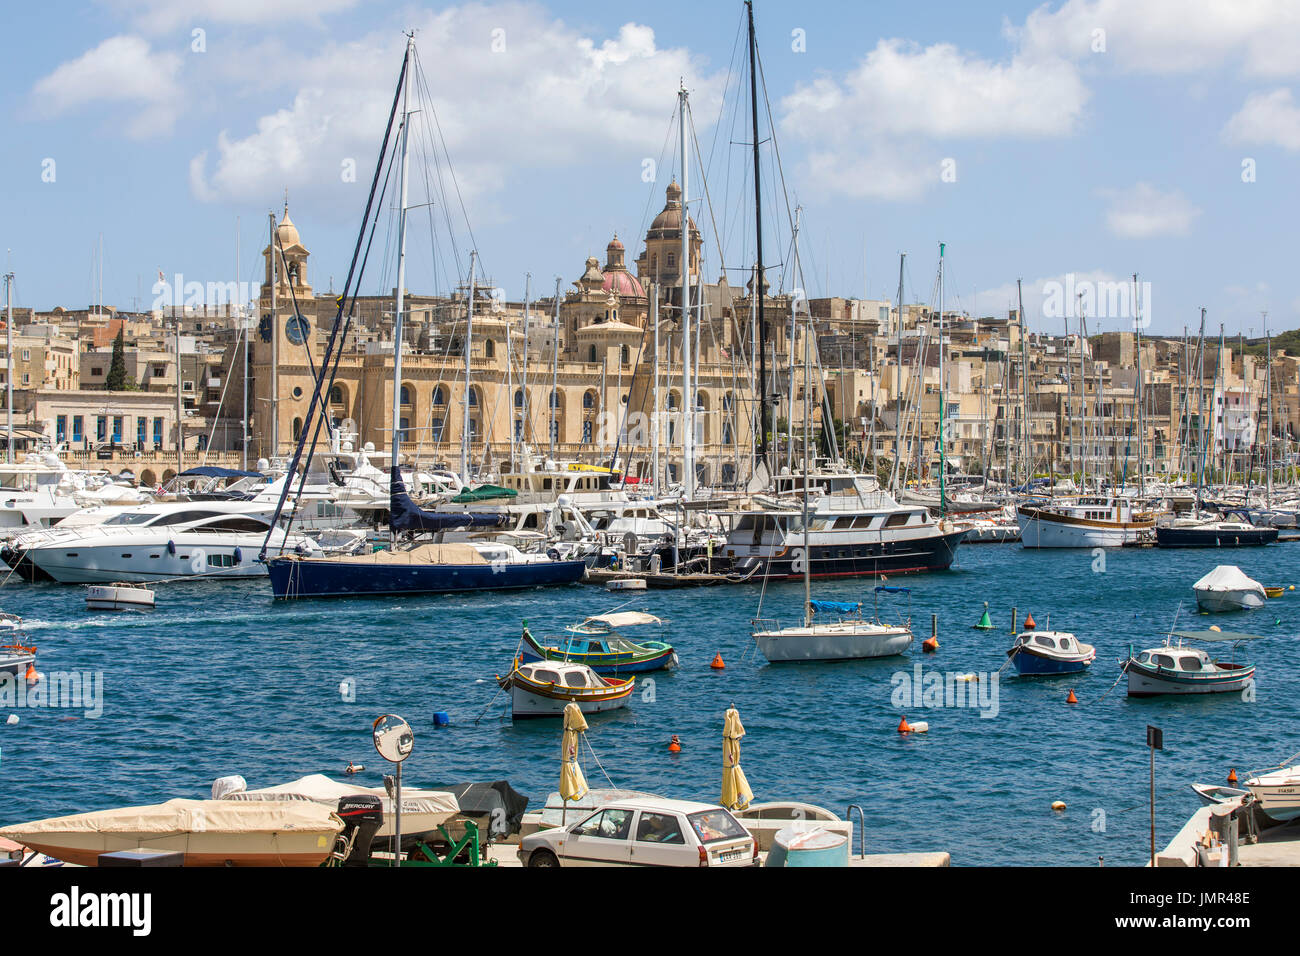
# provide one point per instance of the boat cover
(185, 816)
(1227, 577)
(484, 800)
(424, 554)
(406, 515)
(212, 471)
(617, 619)
(484, 493)
(1216, 636)
(834, 607)
(321, 789)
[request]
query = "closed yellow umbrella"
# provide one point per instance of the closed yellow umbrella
(735, 788)
(573, 785)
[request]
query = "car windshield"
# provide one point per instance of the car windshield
(714, 825)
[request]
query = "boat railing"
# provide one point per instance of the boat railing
(765, 624)
(862, 830)
(1251, 774)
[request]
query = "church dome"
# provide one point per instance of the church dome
(669, 219)
(623, 283)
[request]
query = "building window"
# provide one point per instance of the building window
(157, 432)
(489, 348)
(403, 428)
(96, 371)
(589, 400)
(623, 355)
(141, 431)
(101, 428)
(405, 396)
(437, 429)
(297, 428)
(555, 430)
(473, 397)
(672, 261)
(519, 429)
(519, 398)
(61, 428)
(555, 399)
(77, 425)
(440, 396)
(591, 354)
(117, 429)
(586, 432)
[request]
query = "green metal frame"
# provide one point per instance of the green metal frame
(469, 841)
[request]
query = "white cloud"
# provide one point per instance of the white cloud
(553, 96)
(872, 131)
(122, 69)
(163, 16)
(1266, 119)
(1169, 36)
(1144, 212)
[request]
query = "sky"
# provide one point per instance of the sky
(1070, 145)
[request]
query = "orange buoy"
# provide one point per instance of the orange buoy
(674, 745)
(930, 645)
(1232, 775)
(717, 664)
(904, 727)
(1071, 699)
(32, 676)
(1029, 622)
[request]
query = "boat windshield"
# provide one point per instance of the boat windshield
(130, 518)
(714, 825)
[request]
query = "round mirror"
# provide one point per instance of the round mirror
(393, 738)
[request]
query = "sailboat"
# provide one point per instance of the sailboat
(409, 566)
(849, 635)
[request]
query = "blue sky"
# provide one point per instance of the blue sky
(1093, 137)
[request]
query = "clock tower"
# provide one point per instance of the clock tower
(281, 371)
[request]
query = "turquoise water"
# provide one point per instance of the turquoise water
(220, 679)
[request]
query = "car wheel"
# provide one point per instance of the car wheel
(543, 858)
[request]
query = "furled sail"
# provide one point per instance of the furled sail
(406, 515)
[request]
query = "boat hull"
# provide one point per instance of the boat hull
(1280, 801)
(107, 597)
(824, 644)
(606, 664)
(1149, 682)
(1029, 664)
(1042, 529)
(291, 578)
(1213, 538)
(903, 556)
(1221, 602)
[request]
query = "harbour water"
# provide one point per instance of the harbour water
(220, 679)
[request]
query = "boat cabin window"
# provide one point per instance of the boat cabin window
(1191, 663)
(659, 828)
(1164, 660)
(575, 679)
(130, 518)
(863, 521)
(1144, 657)
(546, 677)
(1044, 641)
(185, 517)
(236, 523)
(897, 520)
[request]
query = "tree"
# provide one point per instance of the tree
(117, 379)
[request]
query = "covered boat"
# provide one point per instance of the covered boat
(1050, 652)
(1175, 669)
(422, 810)
(543, 688)
(118, 597)
(1227, 588)
(597, 643)
(208, 832)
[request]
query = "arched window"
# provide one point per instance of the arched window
(472, 397)
(439, 396)
(591, 354)
(588, 399)
(701, 402)
(727, 437)
(672, 399)
(519, 398)
(727, 401)
(555, 399)
(336, 395)
(297, 429)
(489, 348)
(623, 355)
(406, 395)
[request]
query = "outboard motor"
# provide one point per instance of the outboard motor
(362, 815)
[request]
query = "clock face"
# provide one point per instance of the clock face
(296, 329)
(264, 328)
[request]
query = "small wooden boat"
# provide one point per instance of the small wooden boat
(543, 688)
(1212, 794)
(597, 643)
(208, 832)
(1050, 652)
(118, 597)
(1175, 669)
(1274, 592)
(1227, 588)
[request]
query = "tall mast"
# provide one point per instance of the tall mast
(688, 396)
(469, 345)
(898, 383)
(1141, 407)
(1200, 416)
(399, 301)
(275, 350)
(523, 384)
(9, 367)
(654, 418)
(758, 235)
(180, 406)
(1268, 454)
(807, 427)
(794, 328)
(1025, 437)
(943, 496)
(243, 330)
(555, 368)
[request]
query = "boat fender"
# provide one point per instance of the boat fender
(239, 555)
(1058, 805)
(553, 554)
(171, 547)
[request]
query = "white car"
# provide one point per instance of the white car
(645, 833)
